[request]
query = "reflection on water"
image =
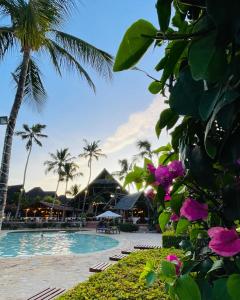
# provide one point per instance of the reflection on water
(47, 243)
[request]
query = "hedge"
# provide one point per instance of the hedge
(170, 239)
(128, 227)
(121, 281)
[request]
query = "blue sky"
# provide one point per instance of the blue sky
(121, 112)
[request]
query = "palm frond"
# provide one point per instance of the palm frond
(61, 58)
(7, 40)
(34, 89)
(99, 60)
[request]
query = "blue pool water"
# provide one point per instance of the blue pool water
(52, 243)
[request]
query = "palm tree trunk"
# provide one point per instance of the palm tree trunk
(24, 180)
(89, 179)
(7, 149)
(55, 197)
(66, 187)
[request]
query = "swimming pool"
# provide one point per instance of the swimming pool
(15, 244)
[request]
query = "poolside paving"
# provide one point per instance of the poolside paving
(23, 277)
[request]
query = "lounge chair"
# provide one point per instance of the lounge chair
(47, 294)
(143, 247)
(117, 257)
(99, 267)
(129, 251)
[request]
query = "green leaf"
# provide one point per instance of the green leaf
(135, 176)
(233, 285)
(182, 226)
(207, 60)
(174, 53)
(164, 13)
(155, 87)
(186, 94)
(217, 265)
(208, 102)
(220, 291)
(135, 43)
(164, 219)
(168, 118)
(186, 288)
(168, 269)
(205, 288)
(176, 202)
(167, 148)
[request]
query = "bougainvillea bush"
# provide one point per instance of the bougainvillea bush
(196, 183)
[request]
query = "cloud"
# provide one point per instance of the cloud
(139, 125)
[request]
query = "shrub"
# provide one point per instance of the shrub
(128, 227)
(121, 281)
(170, 239)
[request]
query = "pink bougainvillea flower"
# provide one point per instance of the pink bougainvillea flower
(163, 177)
(150, 194)
(151, 168)
(224, 241)
(176, 168)
(167, 197)
(175, 260)
(194, 210)
(174, 217)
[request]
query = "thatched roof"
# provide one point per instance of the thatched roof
(57, 207)
(39, 192)
(129, 201)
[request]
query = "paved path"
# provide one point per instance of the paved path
(22, 277)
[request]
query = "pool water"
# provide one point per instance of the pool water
(15, 244)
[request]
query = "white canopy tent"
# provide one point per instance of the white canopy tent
(108, 215)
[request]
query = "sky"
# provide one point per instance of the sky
(119, 114)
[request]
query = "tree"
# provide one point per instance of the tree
(74, 191)
(56, 165)
(35, 28)
(70, 171)
(125, 168)
(145, 148)
(32, 135)
(90, 151)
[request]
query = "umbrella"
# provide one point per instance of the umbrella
(109, 215)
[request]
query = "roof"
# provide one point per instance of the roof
(38, 192)
(14, 188)
(58, 207)
(128, 201)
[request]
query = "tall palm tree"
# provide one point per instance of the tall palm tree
(56, 165)
(32, 135)
(90, 151)
(74, 191)
(145, 148)
(35, 28)
(125, 168)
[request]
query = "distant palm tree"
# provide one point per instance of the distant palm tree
(90, 151)
(70, 171)
(32, 135)
(56, 165)
(145, 148)
(34, 29)
(125, 168)
(74, 191)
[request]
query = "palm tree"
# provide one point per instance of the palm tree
(32, 135)
(35, 28)
(145, 148)
(90, 151)
(74, 191)
(125, 168)
(56, 165)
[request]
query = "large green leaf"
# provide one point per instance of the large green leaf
(207, 103)
(164, 13)
(187, 289)
(220, 291)
(135, 43)
(168, 269)
(168, 118)
(182, 226)
(176, 202)
(233, 285)
(186, 94)
(164, 219)
(207, 60)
